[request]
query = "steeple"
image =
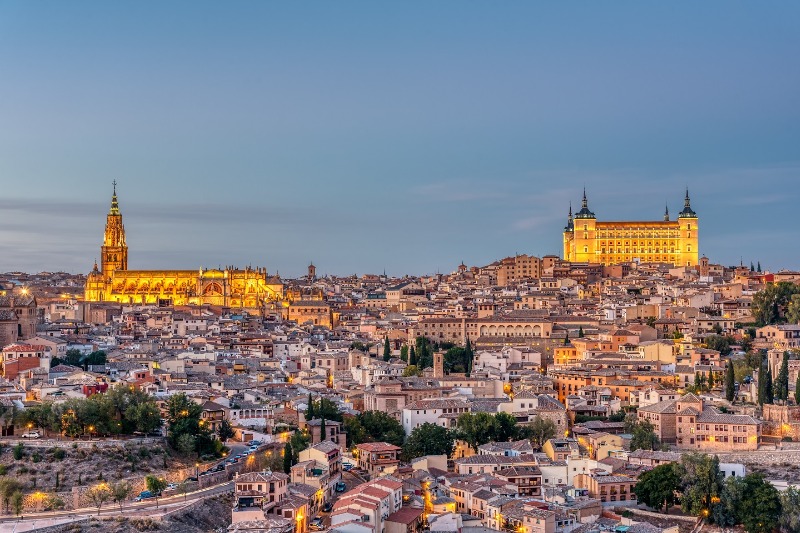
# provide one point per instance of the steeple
(666, 213)
(114, 203)
(584, 212)
(687, 207)
(570, 226)
(114, 252)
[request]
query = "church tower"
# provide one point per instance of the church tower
(114, 252)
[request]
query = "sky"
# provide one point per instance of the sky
(403, 137)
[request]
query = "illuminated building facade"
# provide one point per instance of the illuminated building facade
(609, 243)
(249, 288)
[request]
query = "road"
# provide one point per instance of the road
(148, 507)
(350, 482)
(145, 508)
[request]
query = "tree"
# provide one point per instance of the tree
(225, 431)
(769, 393)
(144, 417)
(770, 304)
(322, 433)
(658, 487)
(711, 380)
(470, 356)
(120, 491)
(287, 458)
(782, 381)
(701, 483)
(761, 504)
(475, 428)
(540, 431)
(797, 390)
(428, 439)
(730, 388)
(411, 370)
(184, 427)
(424, 353)
(310, 408)
(456, 360)
(17, 502)
(8, 486)
(387, 350)
(155, 485)
(325, 408)
(299, 441)
(412, 357)
(790, 506)
(404, 353)
(99, 495)
(505, 427)
(377, 426)
(566, 339)
(644, 437)
(183, 488)
(793, 309)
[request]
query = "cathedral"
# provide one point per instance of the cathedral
(587, 240)
(250, 288)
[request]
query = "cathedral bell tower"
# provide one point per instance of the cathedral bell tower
(114, 252)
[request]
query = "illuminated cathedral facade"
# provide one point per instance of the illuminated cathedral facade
(588, 240)
(111, 281)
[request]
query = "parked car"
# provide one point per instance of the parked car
(347, 467)
(327, 508)
(145, 495)
(316, 524)
(340, 486)
(31, 435)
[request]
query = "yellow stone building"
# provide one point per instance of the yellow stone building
(249, 288)
(587, 240)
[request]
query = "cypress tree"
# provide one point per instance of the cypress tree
(758, 268)
(322, 434)
(730, 390)
(387, 350)
(469, 356)
(412, 357)
(287, 458)
(782, 382)
(710, 379)
(310, 410)
(580, 332)
(566, 339)
(797, 390)
(769, 393)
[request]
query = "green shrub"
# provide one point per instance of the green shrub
(37, 457)
(18, 451)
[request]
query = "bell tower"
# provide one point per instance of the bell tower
(114, 252)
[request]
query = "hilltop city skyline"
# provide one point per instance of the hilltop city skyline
(415, 139)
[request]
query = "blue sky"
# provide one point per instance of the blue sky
(401, 136)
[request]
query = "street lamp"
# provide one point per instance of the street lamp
(196, 466)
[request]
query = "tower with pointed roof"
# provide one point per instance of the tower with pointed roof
(588, 240)
(114, 251)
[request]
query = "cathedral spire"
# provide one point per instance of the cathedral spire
(585, 203)
(114, 203)
(666, 213)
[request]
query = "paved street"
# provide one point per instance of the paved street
(146, 508)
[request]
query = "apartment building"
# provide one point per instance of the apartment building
(378, 457)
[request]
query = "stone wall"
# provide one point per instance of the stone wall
(78, 498)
